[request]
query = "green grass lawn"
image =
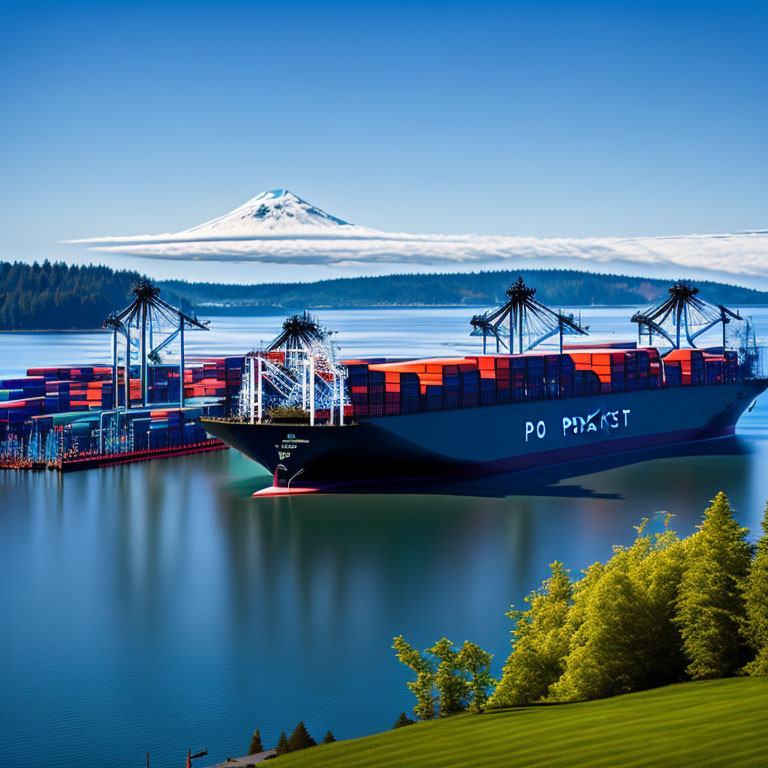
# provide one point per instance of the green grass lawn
(709, 723)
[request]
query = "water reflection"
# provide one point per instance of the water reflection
(158, 606)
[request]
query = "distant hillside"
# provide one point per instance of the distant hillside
(61, 297)
(554, 286)
(58, 296)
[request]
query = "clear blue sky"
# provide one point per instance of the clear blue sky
(540, 118)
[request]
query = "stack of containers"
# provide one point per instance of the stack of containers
(494, 379)
(20, 400)
(357, 381)
(11, 394)
(630, 371)
(16, 412)
(517, 377)
(391, 393)
(78, 395)
(470, 386)
(193, 374)
(100, 394)
(205, 388)
(233, 377)
(163, 383)
(73, 373)
(503, 379)
(169, 428)
(586, 383)
(432, 398)
(409, 392)
(376, 384)
(731, 366)
(643, 369)
(714, 369)
(567, 375)
(534, 375)
(401, 390)
(220, 377)
(691, 365)
(551, 376)
(57, 397)
(617, 362)
(450, 377)
(655, 378)
(673, 376)
(609, 367)
(28, 386)
(382, 389)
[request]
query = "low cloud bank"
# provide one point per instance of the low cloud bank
(278, 227)
(743, 254)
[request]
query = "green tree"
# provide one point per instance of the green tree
(402, 721)
(626, 640)
(282, 747)
(300, 738)
(540, 642)
(424, 685)
(450, 680)
(476, 663)
(256, 745)
(711, 603)
(756, 605)
(329, 738)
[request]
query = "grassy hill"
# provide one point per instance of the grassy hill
(709, 723)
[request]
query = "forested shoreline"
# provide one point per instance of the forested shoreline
(57, 296)
(557, 287)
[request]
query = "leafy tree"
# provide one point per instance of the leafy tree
(450, 680)
(626, 639)
(256, 745)
(540, 642)
(282, 747)
(423, 687)
(300, 738)
(329, 738)
(476, 663)
(711, 603)
(756, 605)
(402, 721)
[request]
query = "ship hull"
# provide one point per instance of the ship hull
(469, 442)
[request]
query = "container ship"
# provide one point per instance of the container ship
(380, 421)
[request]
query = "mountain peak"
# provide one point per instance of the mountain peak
(275, 210)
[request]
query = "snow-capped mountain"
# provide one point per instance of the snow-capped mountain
(275, 211)
(278, 227)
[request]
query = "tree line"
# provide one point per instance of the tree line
(58, 296)
(663, 610)
(558, 287)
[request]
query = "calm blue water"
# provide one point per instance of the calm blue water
(157, 607)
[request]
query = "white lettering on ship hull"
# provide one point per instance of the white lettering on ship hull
(539, 429)
(599, 421)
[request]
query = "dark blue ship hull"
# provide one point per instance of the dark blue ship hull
(500, 438)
